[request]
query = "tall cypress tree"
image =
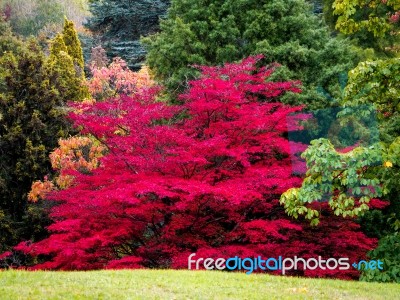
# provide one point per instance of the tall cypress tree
(66, 62)
(72, 43)
(63, 68)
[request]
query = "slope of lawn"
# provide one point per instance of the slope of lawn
(167, 284)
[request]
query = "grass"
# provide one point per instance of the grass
(168, 284)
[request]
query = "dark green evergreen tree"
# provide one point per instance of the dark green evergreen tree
(285, 31)
(120, 23)
(32, 119)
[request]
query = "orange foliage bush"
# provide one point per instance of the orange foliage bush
(77, 153)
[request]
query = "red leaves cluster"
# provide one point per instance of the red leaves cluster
(205, 176)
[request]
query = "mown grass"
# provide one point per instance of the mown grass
(169, 284)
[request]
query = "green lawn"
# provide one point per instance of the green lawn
(167, 284)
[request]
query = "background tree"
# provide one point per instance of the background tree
(328, 15)
(61, 66)
(35, 17)
(72, 43)
(8, 41)
(116, 79)
(373, 24)
(120, 24)
(215, 31)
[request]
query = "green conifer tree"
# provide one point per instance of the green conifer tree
(72, 42)
(32, 119)
(218, 31)
(66, 63)
(61, 67)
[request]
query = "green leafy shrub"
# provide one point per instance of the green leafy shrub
(388, 251)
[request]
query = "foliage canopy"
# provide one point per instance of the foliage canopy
(214, 32)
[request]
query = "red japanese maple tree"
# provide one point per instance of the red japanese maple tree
(205, 176)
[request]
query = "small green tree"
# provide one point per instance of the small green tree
(66, 63)
(61, 66)
(377, 83)
(72, 43)
(373, 85)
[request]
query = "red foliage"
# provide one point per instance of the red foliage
(4, 255)
(209, 181)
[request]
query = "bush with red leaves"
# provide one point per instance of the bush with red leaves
(204, 177)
